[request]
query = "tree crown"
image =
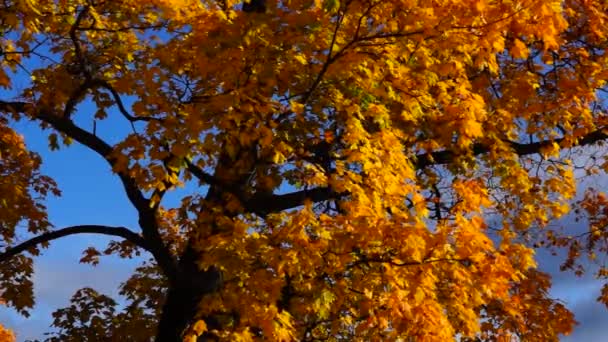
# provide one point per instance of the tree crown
(359, 169)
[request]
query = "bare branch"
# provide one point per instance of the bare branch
(82, 229)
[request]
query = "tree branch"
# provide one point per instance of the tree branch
(447, 156)
(98, 145)
(365, 260)
(261, 204)
(200, 174)
(147, 220)
(266, 204)
(275, 203)
(94, 83)
(83, 229)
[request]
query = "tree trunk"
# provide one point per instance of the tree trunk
(184, 295)
(179, 310)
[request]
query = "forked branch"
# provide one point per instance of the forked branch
(147, 219)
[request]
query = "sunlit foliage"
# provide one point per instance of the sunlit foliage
(358, 170)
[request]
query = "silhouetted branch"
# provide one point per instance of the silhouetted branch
(83, 229)
(447, 156)
(263, 204)
(269, 203)
(147, 220)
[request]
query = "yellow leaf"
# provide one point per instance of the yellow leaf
(296, 107)
(301, 59)
(519, 49)
(199, 327)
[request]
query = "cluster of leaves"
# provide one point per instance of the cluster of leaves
(367, 170)
(96, 317)
(23, 190)
(6, 335)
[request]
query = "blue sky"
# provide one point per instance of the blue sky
(92, 194)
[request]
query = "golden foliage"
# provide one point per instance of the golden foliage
(374, 170)
(6, 335)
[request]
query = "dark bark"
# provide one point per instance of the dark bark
(183, 297)
(257, 6)
(147, 220)
(192, 284)
(83, 229)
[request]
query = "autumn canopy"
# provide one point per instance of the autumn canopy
(357, 170)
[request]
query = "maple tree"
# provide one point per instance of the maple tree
(358, 170)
